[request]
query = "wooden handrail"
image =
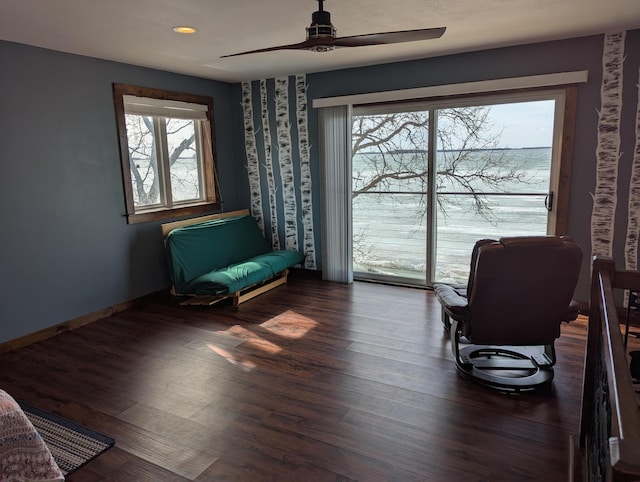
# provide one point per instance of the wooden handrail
(610, 418)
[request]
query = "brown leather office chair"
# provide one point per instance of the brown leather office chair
(504, 323)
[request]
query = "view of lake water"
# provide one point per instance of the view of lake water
(390, 232)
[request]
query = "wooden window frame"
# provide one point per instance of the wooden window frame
(212, 201)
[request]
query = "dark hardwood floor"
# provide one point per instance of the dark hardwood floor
(313, 381)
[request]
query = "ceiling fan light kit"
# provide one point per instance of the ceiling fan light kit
(321, 36)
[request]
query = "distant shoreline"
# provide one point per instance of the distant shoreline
(419, 151)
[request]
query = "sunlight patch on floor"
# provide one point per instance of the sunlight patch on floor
(290, 325)
(246, 365)
(253, 340)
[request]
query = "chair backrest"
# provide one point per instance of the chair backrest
(520, 289)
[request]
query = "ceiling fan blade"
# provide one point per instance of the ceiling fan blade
(321, 36)
(307, 44)
(389, 37)
(317, 44)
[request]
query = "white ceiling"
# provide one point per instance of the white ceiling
(139, 31)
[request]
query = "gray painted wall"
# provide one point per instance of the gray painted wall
(561, 56)
(67, 249)
(535, 59)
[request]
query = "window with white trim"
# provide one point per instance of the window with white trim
(167, 152)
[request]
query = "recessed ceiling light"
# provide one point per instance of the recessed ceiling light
(184, 29)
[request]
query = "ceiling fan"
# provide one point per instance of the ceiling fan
(321, 36)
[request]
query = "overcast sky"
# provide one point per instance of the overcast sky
(524, 124)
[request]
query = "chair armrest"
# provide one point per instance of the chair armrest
(453, 300)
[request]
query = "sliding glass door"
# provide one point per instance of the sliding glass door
(429, 179)
(390, 195)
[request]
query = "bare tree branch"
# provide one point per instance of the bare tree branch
(144, 158)
(394, 147)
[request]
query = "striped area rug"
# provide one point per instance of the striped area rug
(72, 445)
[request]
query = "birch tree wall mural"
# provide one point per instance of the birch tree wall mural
(287, 179)
(608, 146)
(252, 154)
(276, 168)
(268, 164)
(305, 172)
(633, 218)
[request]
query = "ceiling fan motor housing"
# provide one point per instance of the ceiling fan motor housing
(321, 25)
(321, 28)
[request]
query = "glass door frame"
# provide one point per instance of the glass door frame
(560, 169)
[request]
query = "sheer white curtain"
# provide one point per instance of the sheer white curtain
(335, 160)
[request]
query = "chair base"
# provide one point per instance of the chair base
(505, 369)
(511, 369)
